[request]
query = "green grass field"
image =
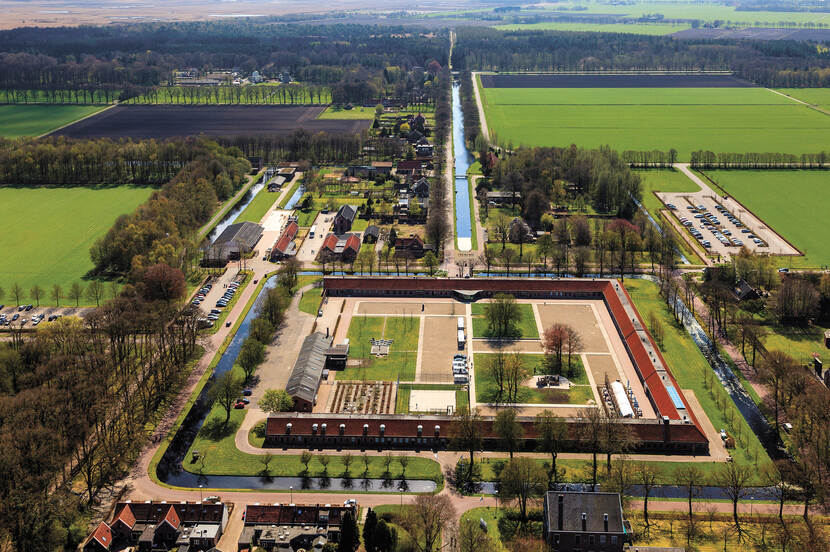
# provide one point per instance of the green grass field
(687, 119)
(626, 28)
(403, 353)
(405, 389)
(34, 120)
(526, 324)
(354, 113)
(813, 96)
(793, 203)
(257, 208)
(49, 231)
(662, 180)
(689, 369)
(487, 390)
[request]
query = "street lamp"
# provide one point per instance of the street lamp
(200, 493)
(291, 488)
(496, 492)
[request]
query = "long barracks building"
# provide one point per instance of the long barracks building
(675, 429)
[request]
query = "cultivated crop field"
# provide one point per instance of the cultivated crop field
(793, 203)
(643, 112)
(34, 120)
(168, 121)
(49, 231)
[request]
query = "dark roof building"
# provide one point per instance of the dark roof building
(412, 247)
(308, 371)
(371, 234)
(344, 219)
(343, 247)
(584, 521)
(745, 292)
(235, 239)
(420, 188)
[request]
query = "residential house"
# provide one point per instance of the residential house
(412, 247)
(276, 183)
(371, 234)
(361, 171)
(520, 231)
(285, 247)
(500, 197)
(292, 526)
(414, 167)
(584, 521)
(383, 167)
(100, 540)
(235, 240)
(420, 188)
(344, 219)
(342, 247)
(414, 136)
(745, 292)
(418, 122)
(424, 149)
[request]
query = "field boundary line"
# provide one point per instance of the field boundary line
(70, 123)
(485, 130)
(751, 212)
(802, 102)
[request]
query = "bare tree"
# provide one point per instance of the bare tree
(647, 476)
(426, 518)
(57, 293)
(552, 435)
(733, 478)
(522, 479)
(465, 432)
(690, 477)
(35, 293)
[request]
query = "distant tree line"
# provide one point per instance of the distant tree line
(317, 148)
(539, 175)
(438, 227)
(356, 62)
(710, 160)
(774, 63)
(650, 159)
(469, 108)
(59, 161)
(164, 227)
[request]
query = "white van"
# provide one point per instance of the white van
(312, 231)
(460, 322)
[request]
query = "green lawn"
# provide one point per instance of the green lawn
(687, 119)
(258, 206)
(526, 323)
(310, 301)
(215, 441)
(799, 343)
(34, 120)
(689, 368)
(399, 364)
(487, 390)
(662, 180)
(49, 231)
(627, 28)
(793, 203)
(305, 218)
(332, 112)
(404, 390)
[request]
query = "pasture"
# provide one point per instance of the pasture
(169, 121)
(625, 28)
(719, 119)
(793, 203)
(49, 231)
(34, 120)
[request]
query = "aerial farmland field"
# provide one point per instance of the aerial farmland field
(793, 203)
(643, 112)
(34, 120)
(49, 231)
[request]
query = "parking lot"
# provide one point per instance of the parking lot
(31, 316)
(311, 245)
(216, 294)
(720, 224)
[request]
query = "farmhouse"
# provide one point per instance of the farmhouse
(235, 240)
(308, 371)
(371, 234)
(343, 247)
(344, 219)
(414, 167)
(298, 526)
(575, 520)
(361, 171)
(383, 167)
(284, 246)
(420, 188)
(412, 247)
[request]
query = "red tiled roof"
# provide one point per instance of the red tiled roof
(330, 242)
(414, 242)
(284, 514)
(188, 512)
(409, 165)
(172, 518)
(126, 517)
(103, 535)
(353, 242)
(286, 237)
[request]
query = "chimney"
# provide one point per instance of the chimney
(584, 521)
(560, 521)
(605, 522)
(666, 432)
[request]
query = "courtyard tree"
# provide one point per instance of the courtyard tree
(495, 366)
(426, 518)
(225, 391)
(552, 436)
(503, 315)
(553, 343)
(522, 479)
(508, 429)
(573, 344)
(465, 432)
(276, 400)
(514, 374)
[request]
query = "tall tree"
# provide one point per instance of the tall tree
(552, 435)
(76, 291)
(276, 400)
(57, 293)
(465, 432)
(426, 518)
(508, 429)
(590, 427)
(733, 478)
(522, 479)
(251, 354)
(647, 476)
(349, 534)
(35, 293)
(225, 391)
(775, 368)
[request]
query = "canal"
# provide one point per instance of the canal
(463, 160)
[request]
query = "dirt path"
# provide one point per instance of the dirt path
(485, 130)
(480, 244)
(225, 209)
